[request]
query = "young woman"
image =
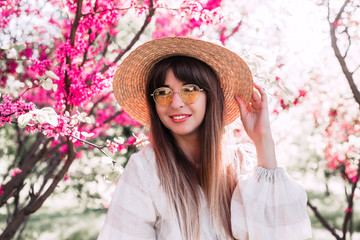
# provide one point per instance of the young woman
(186, 184)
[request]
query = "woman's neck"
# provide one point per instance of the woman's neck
(190, 145)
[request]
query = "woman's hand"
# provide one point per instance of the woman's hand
(255, 118)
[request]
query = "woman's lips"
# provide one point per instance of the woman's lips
(179, 117)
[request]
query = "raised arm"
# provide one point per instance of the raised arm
(267, 204)
(255, 118)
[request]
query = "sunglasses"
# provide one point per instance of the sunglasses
(189, 93)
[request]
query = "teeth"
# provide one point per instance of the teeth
(179, 117)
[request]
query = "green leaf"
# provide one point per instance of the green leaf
(20, 47)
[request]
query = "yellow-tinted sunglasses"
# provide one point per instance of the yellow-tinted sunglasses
(189, 93)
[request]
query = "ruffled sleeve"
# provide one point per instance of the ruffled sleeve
(132, 214)
(269, 205)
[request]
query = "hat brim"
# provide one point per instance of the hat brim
(131, 76)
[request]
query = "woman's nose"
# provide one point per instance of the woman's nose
(177, 101)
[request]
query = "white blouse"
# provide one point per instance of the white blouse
(266, 205)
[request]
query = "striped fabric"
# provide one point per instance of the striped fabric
(266, 205)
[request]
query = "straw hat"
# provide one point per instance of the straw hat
(130, 78)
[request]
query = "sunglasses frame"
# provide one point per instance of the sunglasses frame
(172, 92)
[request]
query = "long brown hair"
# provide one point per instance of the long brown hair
(180, 180)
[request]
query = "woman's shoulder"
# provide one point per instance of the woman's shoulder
(143, 160)
(140, 171)
(146, 153)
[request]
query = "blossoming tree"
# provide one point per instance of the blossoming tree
(56, 99)
(57, 60)
(341, 130)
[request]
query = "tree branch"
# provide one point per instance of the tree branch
(26, 167)
(75, 24)
(135, 7)
(323, 221)
(96, 146)
(74, 27)
(108, 10)
(106, 43)
(349, 40)
(338, 16)
(36, 203)
(328, 9)
(232, 32)
(136, 37)
(350, 199)
(109, 119)
(91, 112)
(340, 58)
(87, 49)
(53, 164)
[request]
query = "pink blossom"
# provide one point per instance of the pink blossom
(38, 67)
(284, 105)
(276, 112)
(112, 146)
(8, 8)
(66, 176)
(15, 171)
(81, 61)
(338, 23)
(8, 109)
(302, 93)
(339, 151)
(352, 172)
(11, 66)
(28, 52)
(131, 140)
(348, 210)
(192, 15)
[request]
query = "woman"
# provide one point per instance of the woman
(187, 184)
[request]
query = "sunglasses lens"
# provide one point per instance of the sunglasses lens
(189, 93)
(163, 96)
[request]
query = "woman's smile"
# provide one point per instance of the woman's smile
(180, 117)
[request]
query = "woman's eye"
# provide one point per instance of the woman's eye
(163, 92)
(188, 89)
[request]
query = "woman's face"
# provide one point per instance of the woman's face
(180, 118)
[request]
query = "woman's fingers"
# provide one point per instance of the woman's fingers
(242, 105)
(255, 103)
(261, 91)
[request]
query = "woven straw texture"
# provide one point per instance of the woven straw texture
(130, 77)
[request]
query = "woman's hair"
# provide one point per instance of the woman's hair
(178, 176)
